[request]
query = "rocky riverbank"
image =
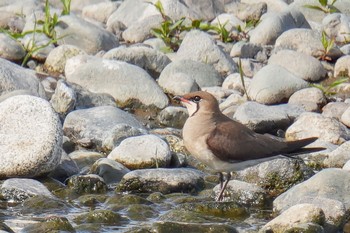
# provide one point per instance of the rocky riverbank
(91, 138)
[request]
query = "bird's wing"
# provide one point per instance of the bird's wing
(232, 141)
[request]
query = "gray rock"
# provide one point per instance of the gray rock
(246, 11)
(87, 184)
(85, 159)
(316, 125)
(20, 7)
(66, 168)
(274, 84)
(149, 59)
(244, 193)
(123, 85)
(64, 98)
(141, 30)
(301, 65)
(245, 50)
(57, 58)
(233, 81)
(339, 156)
(342, 66)
(72, 28)
(345, 49)
(163, 180)
(173, 116)
(11, 49)
(228, 21)
(31, 145)
(100, 127)
(276, 176)
(273, 25)
(49, 84)
(262, 118)
(294, 216)
(39, 43)
(14, 77)
(229, 106)
(336, 26)
(117, 28)
(100, 11)
(347, 166)
(146, 151)
(335, 109)
(199, 46)
(155, 43)
(110, 170)
(19, 189)
(183, 76)
(11, 21)
(251, 66)
(272, 5)
(311, 99)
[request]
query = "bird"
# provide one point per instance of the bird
(226, 145)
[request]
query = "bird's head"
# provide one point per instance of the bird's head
(199, 101)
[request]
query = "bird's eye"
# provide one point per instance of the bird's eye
(196, 99)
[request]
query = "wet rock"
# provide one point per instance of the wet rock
(19, 189)
(335, 109)
(120, 201)
(83, 184)
(147, 58)
(57, 58)
(92, 200)
(11, 49)
(85, 159)
(101, 127)
(14, 77)
(40, 204)
(339, 156)
(173, 116)
(64, 98)
(285, 84)
(311, 99)
(66, 168)
(294, 216)
(31, 145)
(276, 176)
(110, 170)
(316, 125)
(173, 227)
(105, 217)
(244, 193)
(51, 224)
(199, 46)
(72, 28)
(141, 212)
(146, 151)
(183, 76)
(123, 85)
(300, 64)
(162, 180)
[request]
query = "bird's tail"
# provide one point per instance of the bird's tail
(297, 147)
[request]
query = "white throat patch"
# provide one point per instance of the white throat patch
(191, 107)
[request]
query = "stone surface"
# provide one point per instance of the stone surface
(66, 168)
(173, 116)
(117, 78)
(274, 84)
(316, 125)
(110, 170)
(85, 159)
(31, 145)
(339, 156)
(100, 11)
(64, 98)
(11, 49)
(83, 184)
(335, 109)
(145, 151)
(163, 180)
(336, 26)
(311, 99)
(342, 66)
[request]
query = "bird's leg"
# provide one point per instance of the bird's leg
(221, 179)
(221, 194)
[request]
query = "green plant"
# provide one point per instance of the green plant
(66, 7)
(326, 7)
(49, 22)
(241, 74)
(328, 90)
(327, 44)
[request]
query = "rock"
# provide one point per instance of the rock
(345, 49)
(262, 118)
(20, 7)
(57, 58)
(171, 226)
(51, 224)
(14, 77)
(139, 31)
(231, 103)
(64, 98)
(339, 156)
(300, 64)
(149, 59)
(336, 26)
(294, 216)
(82, 184)
(40, 45)
(183, 76)
(19, 189)
(100, 11)
(123, 85)
(11, 21)
(173, 116)
(66, 168)
(49, 84)
(146, 151)
(31, 145)
(199, 46)
(141, 212)
(110, 170)
(11, 49)
(233, 81)
(72, 28)
(274, 24)
(244, 49)
(162, 180)
(311, 99)
(228, 21)
(105, 217)
(246, 11)
(272, 5)
(244, 193)
(284, 85)
(342, 66)
(334, 109)
(85, 159)
(316, 125)
(101, 127)
(276, 176)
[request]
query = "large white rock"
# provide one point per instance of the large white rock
(30, 135)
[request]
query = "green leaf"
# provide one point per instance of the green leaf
(323, 2)
(338, 82)
(314, 7)
(177, 24)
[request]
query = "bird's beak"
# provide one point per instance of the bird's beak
(181, 99)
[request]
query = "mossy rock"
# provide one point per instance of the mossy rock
(52, 224)
(175, 227)
(92, 199)
(43, 204)
(105, 217)
(141, 212)
(87, 184)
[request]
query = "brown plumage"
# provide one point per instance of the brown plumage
(227, 145)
